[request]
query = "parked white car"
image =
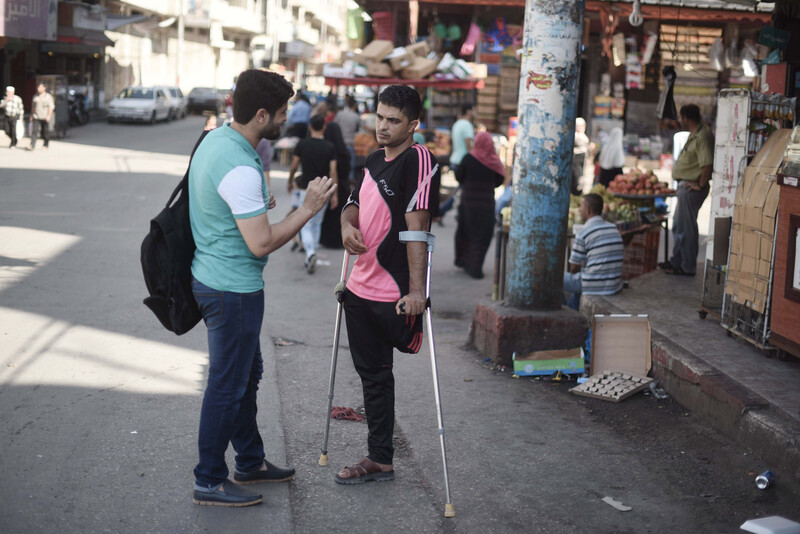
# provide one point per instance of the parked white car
(145, 104)
(177, 100)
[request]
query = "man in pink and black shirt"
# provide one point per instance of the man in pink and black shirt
(385, 295)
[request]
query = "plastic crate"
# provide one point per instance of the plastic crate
(640, 255)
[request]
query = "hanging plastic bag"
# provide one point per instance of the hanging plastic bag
(749, 54)
(716, 55)
(471, 41)
(666, 103)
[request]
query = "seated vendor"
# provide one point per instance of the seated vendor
(595, 264)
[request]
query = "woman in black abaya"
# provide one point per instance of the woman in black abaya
(331, 235)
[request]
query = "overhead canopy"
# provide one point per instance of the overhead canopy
(82, 36)
(439, 84)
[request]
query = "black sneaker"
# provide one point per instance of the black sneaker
(228, 494)
(311, 264)
(272, 474)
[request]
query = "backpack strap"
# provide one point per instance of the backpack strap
(183, 185)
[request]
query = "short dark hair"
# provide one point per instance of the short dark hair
(256, 89)
(594, 202)
(404, 98)
(691, 112)
(465, 108)
(317, 123)
(350, 101)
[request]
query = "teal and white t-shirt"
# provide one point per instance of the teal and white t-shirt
(459, 133)
(226, 183)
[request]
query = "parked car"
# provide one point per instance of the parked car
(145, 104)
(205, 99)
(178, 101)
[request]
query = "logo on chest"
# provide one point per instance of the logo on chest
(386, 189)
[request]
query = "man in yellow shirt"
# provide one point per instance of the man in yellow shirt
(693, 171)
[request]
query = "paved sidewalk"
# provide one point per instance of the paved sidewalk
(731, 384)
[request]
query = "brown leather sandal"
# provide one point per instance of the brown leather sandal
(364, 471)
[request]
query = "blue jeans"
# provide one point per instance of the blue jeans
(312, 230)
(235, 366)
(572, 284)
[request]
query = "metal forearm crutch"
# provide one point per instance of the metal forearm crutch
(339, 292)
(430, 240)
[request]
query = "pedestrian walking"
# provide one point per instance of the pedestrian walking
(612, 157)
(299, 115)
(43, 108)
(228, 203)
(318, 158)
(364, 144)
(461, 136)
(331, 230)
(693, 170)
(349, 121)
(385, 295)
(13, 109)
(480, 172)
(579, 151)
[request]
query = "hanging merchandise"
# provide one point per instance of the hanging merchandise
(731, 55)
(355, 24)
(666, 103)
(749, 53)
(618, 49)
(498, 37)
(454, 32)
(716, 55)
(472, 39)
(633, 67)
(650, 43)
(440, 30)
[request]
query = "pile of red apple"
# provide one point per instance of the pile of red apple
(638, 184)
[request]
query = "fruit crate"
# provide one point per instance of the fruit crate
(640, 255)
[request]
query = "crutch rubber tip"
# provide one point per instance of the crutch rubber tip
(323, 460)
(449, 511)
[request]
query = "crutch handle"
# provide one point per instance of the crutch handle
(416, 235)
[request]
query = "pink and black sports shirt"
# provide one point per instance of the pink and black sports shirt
(391, 188)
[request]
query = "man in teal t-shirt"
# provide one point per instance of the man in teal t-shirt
(228, 203)
(461, 136)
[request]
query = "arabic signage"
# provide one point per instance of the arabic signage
(29, 19)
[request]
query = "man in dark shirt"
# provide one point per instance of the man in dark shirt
(318, 158)
(385, 294)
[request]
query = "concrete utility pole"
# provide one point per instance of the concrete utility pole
(548, 97)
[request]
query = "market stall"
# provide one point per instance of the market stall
(786, 284)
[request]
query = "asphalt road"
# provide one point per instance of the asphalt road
(99, 404)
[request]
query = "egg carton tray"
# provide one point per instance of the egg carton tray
(612, 386)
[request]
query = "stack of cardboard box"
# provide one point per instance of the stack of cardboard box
(486, 111)
(753, 231)
(383, 60)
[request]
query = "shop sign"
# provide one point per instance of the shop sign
(29, 19)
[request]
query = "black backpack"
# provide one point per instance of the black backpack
(167, 253)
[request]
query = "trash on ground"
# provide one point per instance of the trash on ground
(612, 386)
(347, 414)
(547, 362)
(467, 380)
(765, 479)
(773, 524)
(658, 392)
(616, 504)
(280, 342)
(622, 343)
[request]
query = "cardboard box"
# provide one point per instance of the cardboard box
(479, 70)
(379, 69)
(420, 49)
(421, 68)
(400, 58)
(333, 71)
(722, 234)
(377, 50)
(621, 343)
(547, 362)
